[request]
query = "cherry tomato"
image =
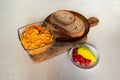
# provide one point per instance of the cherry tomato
(81, 62)
(75, 59)
(81, 58)
(74, 54)
(75, 50)
(89, 61)
(86, 63)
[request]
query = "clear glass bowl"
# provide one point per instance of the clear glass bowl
(92, 49)
(39, 49)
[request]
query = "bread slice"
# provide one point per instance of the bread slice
(68, 32)
(75, 29)
(64, 17)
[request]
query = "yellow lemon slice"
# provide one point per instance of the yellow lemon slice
(86, 53)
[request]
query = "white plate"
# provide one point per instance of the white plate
(91, 48)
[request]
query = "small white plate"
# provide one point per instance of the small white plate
(92, 49)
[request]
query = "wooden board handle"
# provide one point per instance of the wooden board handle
(93, 21)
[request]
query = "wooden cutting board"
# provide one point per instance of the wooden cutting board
(57, 49)
(60, 47)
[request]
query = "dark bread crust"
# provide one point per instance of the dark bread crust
(62, 35)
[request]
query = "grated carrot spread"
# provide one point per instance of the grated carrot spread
(36, 36)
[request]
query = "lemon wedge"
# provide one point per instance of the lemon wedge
(86, 53)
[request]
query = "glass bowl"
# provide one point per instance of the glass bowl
(39, 49)
(83, 64)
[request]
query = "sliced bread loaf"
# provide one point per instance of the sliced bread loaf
(74, 29)
(66, 31)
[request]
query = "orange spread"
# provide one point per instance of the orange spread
(36, 36)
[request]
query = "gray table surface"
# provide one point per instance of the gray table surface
(15, 64)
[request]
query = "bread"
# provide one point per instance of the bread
(64, 17)
(67, 29)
